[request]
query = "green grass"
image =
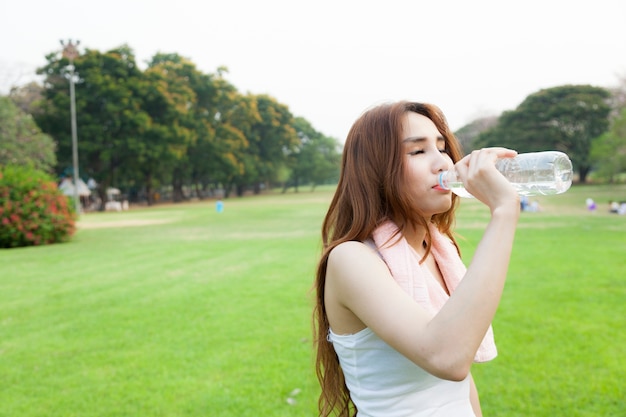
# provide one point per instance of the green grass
(560, 325)
(180, 311)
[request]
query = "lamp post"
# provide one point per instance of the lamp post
(70, 52)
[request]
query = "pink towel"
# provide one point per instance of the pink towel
(416, 279)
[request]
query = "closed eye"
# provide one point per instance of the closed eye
(420, 151)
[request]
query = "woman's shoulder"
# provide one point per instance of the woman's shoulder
(351, 256)
(351, 248)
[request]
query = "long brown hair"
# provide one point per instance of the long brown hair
(370, 191)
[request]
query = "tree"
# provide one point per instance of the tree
(271, 140)
(228, 158)
(172, 105)
(110, 118)
(316, 160)
(467, 134)
(618, 97)
(170, 124)
(608, 152)
(26, 97)
(21, 141)
(565, 118)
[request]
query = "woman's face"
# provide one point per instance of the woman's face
(425, 157)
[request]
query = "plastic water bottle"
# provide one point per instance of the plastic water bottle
(535, 173)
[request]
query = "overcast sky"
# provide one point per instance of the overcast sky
(329, 60)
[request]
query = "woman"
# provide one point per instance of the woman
(399, 319)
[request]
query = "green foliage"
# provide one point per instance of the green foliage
(317, 158)
(27, 97)
(32, 209)
(224, 126)
(558, 326)
(21, 140)
(110, 116)
(271, 140)
(468, 134)
(171, 103)
(565, 118)
(608, 152)
(170, 124)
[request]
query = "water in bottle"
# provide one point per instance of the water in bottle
(535, 173)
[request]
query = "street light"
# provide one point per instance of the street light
(70, 52)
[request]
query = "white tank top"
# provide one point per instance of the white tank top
(384, 383)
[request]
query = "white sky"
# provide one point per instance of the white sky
(329, 60)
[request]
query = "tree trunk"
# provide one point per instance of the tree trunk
(199, 191)
(178, 194)
(582, 174)
(149, 189)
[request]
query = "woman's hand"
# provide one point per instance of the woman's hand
(480, 177)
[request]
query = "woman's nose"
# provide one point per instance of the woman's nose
(442, 162)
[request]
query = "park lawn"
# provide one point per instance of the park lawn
(177, 310)
(560, 325)
(186, 313)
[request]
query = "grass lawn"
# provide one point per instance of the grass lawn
(180, 311)
(560, 325)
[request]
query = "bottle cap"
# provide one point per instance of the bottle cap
(442, 179)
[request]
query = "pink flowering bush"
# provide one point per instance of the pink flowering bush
(32, 209)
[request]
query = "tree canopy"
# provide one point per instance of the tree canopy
(566, 118)
(173, 127)
(608, 151)
(170, 124)
(21, 141)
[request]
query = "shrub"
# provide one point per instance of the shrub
(33, 211)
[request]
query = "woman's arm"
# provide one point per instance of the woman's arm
(474, 399)
(360, 288)
(358, 284)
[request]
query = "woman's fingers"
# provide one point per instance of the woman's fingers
(481, 178)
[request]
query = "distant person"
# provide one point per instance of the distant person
(534, 206)
(613, 207)
(524, 203)
(219, 206)
(399, 318)
(591, 205)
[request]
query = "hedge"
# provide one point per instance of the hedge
(33, 211)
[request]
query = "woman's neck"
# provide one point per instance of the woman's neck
(415, 235)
